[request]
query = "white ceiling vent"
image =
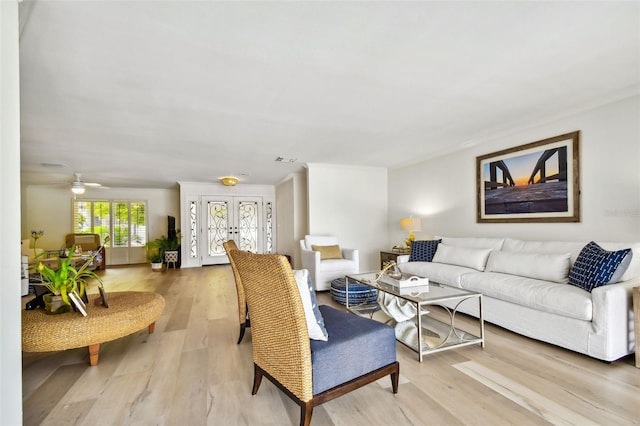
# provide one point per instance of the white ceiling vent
(285, 160)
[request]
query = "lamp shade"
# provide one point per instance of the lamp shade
(411, 224)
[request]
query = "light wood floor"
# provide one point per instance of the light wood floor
(192, 372)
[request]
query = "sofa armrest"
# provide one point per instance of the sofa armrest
(354, 256)
(310, 261)
(351, 254)
(403, 258)
(612, 305)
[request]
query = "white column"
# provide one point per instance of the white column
(10, 299)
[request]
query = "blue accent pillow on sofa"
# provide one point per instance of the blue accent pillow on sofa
(596, 266)
(423, 251)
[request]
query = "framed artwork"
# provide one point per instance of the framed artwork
(103, 297)
(78, 303)
(535, 182)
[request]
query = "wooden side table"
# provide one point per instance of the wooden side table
(636, 315)
(387, 256)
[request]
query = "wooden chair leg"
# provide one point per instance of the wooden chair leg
(94, 352)
(243, 326)
(257, 379)
(306, 410)
(152, 327)
(394, 380)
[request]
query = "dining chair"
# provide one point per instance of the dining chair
(243, 314)
(357, 351)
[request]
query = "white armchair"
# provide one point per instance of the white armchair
(323, 271)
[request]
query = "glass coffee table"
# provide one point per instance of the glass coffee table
(423, 333)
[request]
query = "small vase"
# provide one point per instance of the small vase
(54, 304)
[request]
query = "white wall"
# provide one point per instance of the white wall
(442, 191)
(291, 199)
(50, 209)
(10, 349)
(350, 202)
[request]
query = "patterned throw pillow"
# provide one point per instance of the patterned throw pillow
(596, 266)
(423, 251)
(313, 316)
(316, 309)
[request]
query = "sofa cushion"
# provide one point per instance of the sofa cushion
(574, 248)
(423, 250)
(338, 266)
(561, 299)
(462, 256)
(548, 267)
(438, 272)
(356, 346)
(473, 242)
(596, 266)
(545, 247)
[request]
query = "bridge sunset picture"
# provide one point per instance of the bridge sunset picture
(536, 182)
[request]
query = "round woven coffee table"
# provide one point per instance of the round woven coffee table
(128, 312)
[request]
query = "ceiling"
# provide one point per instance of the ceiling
(146, 94)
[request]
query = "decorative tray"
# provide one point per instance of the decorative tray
(405, 281)
(413, 291)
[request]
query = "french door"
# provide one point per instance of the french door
(231, 218)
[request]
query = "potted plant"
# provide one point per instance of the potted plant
(66, 282)
(154, 255)
(158, 248)
(172, 246)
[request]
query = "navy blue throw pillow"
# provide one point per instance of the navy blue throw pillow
(423, 251)
(596, 266)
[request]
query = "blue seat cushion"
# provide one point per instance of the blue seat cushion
(356, 346)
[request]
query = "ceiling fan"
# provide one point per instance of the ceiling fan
(78, 186)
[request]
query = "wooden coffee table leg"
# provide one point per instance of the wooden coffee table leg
(152, 327)
(94, 351)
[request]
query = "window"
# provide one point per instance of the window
(124, 221)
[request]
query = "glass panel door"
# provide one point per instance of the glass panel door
(230, 218)
(247, 230)
(218, 220)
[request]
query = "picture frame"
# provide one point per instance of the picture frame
(534, 182)
(103, 296)
(78, 303)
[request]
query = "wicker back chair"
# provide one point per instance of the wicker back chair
(243, 314)
(281, 345)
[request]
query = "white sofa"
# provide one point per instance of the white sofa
(524, 291)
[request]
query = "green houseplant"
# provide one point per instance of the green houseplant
(154, 255)
(66, 280)
(158, 247)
